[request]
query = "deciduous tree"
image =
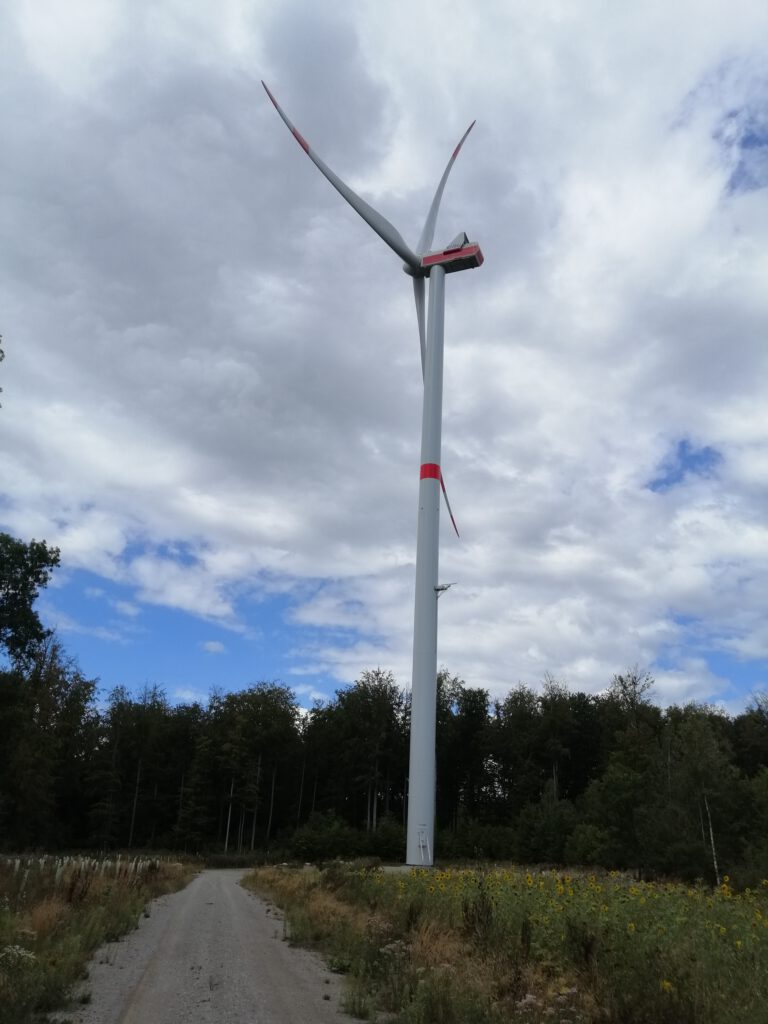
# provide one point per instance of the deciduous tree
(24, 569)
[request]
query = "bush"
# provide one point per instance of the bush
(476, 841)
(543, 831)
(590, 844)
(388, 841)
(325, 837)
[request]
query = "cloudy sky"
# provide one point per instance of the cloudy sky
(211, 391)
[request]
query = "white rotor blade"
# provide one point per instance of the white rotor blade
(418, 295)
(372, 217)
(448, 504)
(429, 227)
(418, 283)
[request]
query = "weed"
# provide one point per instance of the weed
(357, 1001)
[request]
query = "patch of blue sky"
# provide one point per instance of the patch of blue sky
(180, 552)
(751, 171)
(126, 642)
(745, 677)
(735, 679)
(684, 460)
(745, 136)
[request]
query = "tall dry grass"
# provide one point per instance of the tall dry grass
(55, 911)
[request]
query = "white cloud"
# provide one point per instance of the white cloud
(126, 608)
(65, 624)
(185, 695)
(69, 46)
(685, 684)
(310, 693)
(213, 647)
(212, 385)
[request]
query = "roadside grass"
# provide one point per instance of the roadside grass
(491, 945)
(55, 911)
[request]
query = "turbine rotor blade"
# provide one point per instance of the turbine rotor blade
(429, 227)
(448, 505)
(418, 295)
(386, 231)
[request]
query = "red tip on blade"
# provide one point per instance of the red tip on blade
(466, 133)
(266, 89)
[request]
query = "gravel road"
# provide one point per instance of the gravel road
(211, 954)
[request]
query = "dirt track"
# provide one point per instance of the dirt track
(211, 954)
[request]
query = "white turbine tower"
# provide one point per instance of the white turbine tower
(461, 254)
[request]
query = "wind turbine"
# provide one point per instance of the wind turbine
(461, 254)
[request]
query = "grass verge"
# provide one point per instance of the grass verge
(55, 911)
(486, 946)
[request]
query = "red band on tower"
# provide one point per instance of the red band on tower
(430, 471)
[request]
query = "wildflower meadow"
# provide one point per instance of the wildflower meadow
(510, 944)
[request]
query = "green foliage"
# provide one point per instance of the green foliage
(592, 844)
(325, 836)
(544, 829)
(357, 747)
(388, 841)
(754, 863)
(24, 569)
(49, 730)
(475, 840)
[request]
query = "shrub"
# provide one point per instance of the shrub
(325, 837)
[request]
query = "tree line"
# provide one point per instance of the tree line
(554, 776)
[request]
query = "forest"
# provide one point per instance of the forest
(538, 777)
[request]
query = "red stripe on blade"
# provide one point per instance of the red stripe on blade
(430, 471)
(301, 140)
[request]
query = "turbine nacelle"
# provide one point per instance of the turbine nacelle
(460, 254)
(462, 257)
